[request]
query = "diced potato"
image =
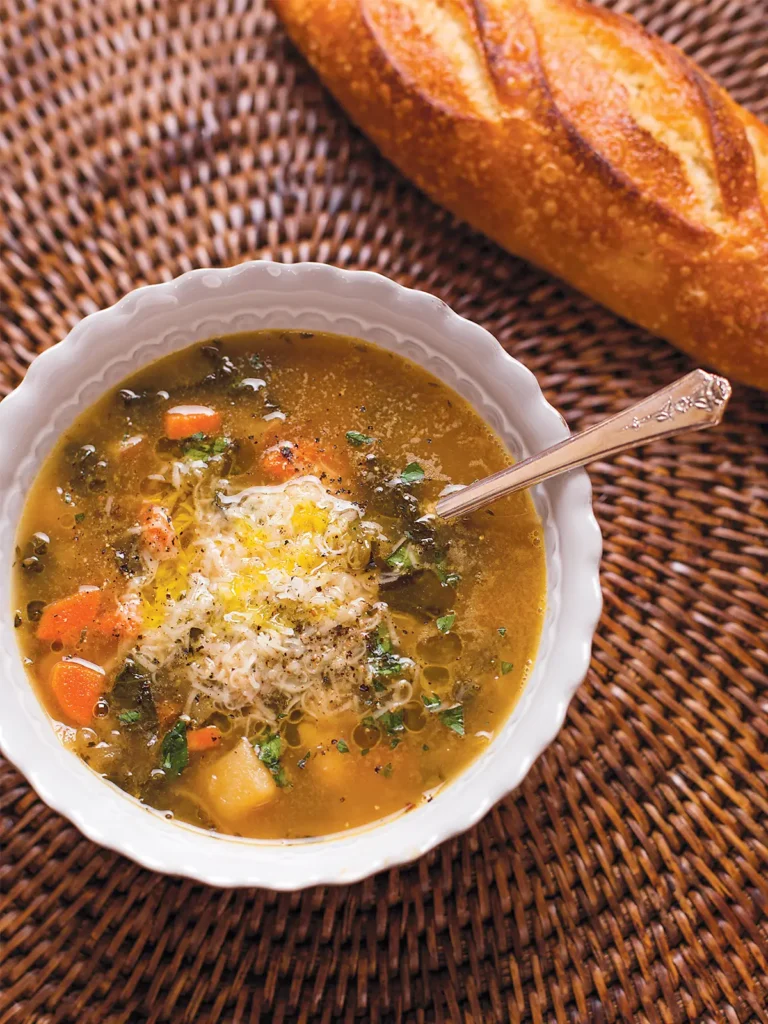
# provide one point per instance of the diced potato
(237, 782)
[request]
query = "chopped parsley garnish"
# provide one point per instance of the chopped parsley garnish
(453, 718)
(342, 747)
(269, 750)
(201, 448)
(412, 474)
(365, 751)
(432, 703)
(129, 717)
(506, 666)
(381, 658)
(303, 762)
(424, 747)
(378, 686)
(447, 576)
(369, 722)
(395, 742)
(174, 750)
(357, 440)
(402, 559)
(392, 721)
(386, 771)
(502, 631)
(445, 622)
(79, 517)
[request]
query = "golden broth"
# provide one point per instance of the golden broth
(452, 612)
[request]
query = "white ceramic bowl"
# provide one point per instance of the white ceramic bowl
(153, 321)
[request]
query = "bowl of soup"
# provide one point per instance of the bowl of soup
(238, 644)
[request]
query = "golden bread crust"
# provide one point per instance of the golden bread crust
(575, 139)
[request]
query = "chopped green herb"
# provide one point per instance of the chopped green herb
(381, 658)
(447, 576)
(395, 742)
(431, 703)
(424, 747)
(506, 666)
(303, 762)
(402, 558)
(256, 361)
(357, 440)
(174, 750)
(502, 630)
(365, 751)
(392, 721)
(453, 718)
(129, 717)
(201, 448)
(412, 474)
(79, 517)
(369, 722)
(378, 687)
(386, 771)
(342, 747)
(269, 750)
(445, 622)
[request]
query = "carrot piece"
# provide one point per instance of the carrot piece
(186, 420)
(167, 712)
(66, 619)
(157, 532)
(283, 461)
(203, 739)
(120, 621)
(77, 686)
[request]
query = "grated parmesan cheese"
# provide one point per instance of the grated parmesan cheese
(267, 604)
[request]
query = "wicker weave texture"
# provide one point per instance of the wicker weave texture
(627, 879)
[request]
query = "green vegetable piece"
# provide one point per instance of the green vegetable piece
(200, 448)
(412, 474)
(129, 717)
(424, 747)
(445, 622)
(392, 721)
(401, 558)
(502, 630)
(447, 576)
(386, 771)
(381, 657)
(79, 517)
(303, 762)
(506, 666)
(369, 722)
(342, 747)
(453, 718)
(395, 742)
(174, 750)
(269, 750)
(357, 440)
(365, 751)
(432, 703)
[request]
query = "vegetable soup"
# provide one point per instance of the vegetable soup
(237, 604)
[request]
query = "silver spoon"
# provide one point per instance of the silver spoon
(694, 402)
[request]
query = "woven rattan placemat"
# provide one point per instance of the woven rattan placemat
(626, 879)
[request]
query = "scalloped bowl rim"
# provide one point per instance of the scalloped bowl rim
(459, 351)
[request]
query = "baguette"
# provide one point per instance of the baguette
(575, 139)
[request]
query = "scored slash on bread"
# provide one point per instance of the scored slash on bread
(575, 139)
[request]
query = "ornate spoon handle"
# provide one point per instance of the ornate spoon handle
(694, 402)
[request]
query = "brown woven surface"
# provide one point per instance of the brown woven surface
(626, 879)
